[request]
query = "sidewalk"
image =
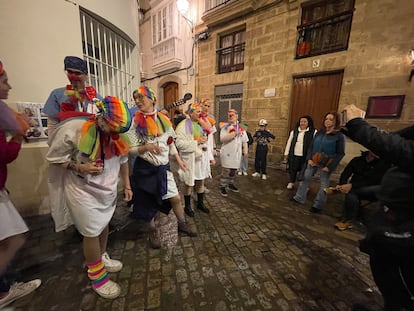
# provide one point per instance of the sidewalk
(255, 251)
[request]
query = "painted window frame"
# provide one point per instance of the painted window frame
(324, 28)
(231, 50)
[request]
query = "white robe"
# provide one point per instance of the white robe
(197, 157)
(88, 200)
(231, 151)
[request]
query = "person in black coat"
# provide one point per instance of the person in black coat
(389, 240)
(297, 147)
(360, 180)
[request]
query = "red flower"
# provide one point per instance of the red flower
(115, 136)
(90, 92)
(170, 140)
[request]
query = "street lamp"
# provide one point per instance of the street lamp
(182, 6)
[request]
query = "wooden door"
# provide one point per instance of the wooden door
(170, 96)
(315, 95)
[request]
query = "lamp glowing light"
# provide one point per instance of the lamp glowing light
(182, 6)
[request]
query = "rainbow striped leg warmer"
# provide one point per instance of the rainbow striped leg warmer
(97, 273)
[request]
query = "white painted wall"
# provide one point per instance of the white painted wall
(35, 37)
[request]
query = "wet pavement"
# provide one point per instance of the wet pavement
(256, 250)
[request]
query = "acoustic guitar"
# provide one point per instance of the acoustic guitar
(182, 101)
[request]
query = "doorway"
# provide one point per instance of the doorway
(170, 96)
(315, 95)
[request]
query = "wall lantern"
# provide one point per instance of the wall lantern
(182, 6)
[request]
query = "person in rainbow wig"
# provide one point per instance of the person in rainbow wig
(192, 142)
(153, 183)
(234, 140)
(93, 151)
(12, 225)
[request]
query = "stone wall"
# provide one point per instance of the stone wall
(375, 64)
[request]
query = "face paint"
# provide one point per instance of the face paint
(73, 77)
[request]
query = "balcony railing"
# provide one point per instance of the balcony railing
(212, 4)
(167, 55)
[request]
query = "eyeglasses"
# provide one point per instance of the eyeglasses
(78, 73)
(138, 96)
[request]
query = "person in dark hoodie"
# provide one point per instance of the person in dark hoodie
(360, 180)
(389, 240)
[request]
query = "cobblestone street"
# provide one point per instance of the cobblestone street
(255, 251)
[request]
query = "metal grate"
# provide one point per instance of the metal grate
(108, 55)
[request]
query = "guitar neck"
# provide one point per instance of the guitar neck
(174, 104)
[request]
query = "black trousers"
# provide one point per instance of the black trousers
(391, 259)
(295, 166)
(260, 160)
(395, 280)
(353, 200)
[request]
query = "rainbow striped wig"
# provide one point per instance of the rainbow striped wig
(192, 107)
(116, 113)
(146, 91)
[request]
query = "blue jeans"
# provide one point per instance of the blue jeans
(302, 191)
(244, 163)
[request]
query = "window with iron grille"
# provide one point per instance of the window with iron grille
(108, 56)
(325, 27)
(231, 51)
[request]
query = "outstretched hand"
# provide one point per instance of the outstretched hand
(353, 112)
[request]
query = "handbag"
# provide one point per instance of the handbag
(321, 159)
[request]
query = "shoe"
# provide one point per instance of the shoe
(110, 290)
(223, 191)
(203, 208)
(19, 290)
(239, 173)
(315, 210)
(233, 188)
(206, 190)
(245, 173)
(186, 228)
(189, 212)
(154, 239)
(255, 174)
(343, 225)
(331, 190)
(111, 265)
(292, 199)
(264, 177)
(290, 186)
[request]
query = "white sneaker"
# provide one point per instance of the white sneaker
(206, 190)
(111, 265)
(239, 173)
(255, 174)
(264, 177)
(245, 173)
(19, 290)
(110, 290)
(290, 185)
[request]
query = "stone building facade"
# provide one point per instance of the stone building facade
(375, 62)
